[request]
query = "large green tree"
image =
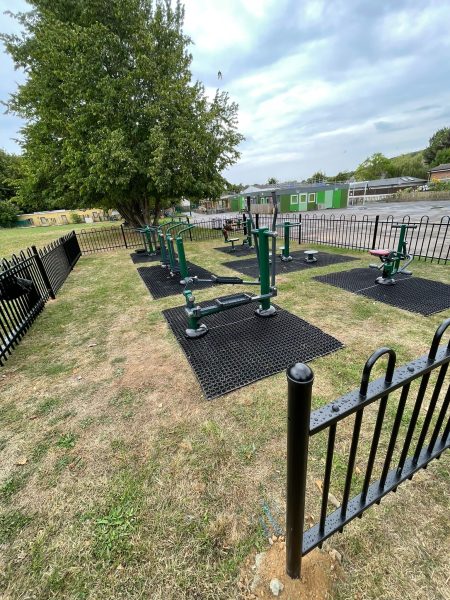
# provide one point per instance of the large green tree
(374, 167)
(411, 165)
(438, 142)
(113, 117)
(9, 179)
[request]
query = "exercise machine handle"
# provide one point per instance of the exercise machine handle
(175, 226)
(404, 225)
(289, 225)
(185, 229)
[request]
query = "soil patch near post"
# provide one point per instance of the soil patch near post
(319, 574)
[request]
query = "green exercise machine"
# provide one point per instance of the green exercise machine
(391, 259)
(248, 225)
(169, 259)
(285, 251)
(266, 283)
(150, 236)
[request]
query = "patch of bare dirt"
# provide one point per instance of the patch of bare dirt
(320, 571)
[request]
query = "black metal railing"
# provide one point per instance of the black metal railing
(429, 241)
(417, 434)
(27, 281)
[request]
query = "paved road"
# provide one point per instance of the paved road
(435, 210)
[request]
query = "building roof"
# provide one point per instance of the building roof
(443, 167)
(389, 182)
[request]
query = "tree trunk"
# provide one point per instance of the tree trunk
(156, 211)
(137, 213)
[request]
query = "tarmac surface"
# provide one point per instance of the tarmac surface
(435, 210)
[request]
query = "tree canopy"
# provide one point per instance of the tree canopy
(439, 142)
(113, 117)
(374, 167)
(10, 171)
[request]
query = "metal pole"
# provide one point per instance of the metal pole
(123, 235)
(375, 231)
(184, 271)
(264, 268)
(300, 380)
(43, 272)
(286, 239)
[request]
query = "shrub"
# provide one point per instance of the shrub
(8, 213)
(76, 218)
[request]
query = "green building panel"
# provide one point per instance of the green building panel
(237, 204)
(341, 199)
(320, 198)
(285, 203)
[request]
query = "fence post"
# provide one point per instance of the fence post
(190, 230)
(300, 229)
(300, 380)
(123, 235)
(257, 221)
(43, 272)
(375, 231)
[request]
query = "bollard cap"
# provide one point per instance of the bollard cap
(300, 373)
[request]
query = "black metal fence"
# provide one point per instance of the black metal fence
(429, 241)
(27, 281)
(414, 435)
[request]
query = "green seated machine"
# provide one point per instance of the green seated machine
(266, 283)
(228, 239)
(391, 259)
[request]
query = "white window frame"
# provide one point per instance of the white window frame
(294, 198)
(313, 201)
(305, 196)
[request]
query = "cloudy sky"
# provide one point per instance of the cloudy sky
(321, 84)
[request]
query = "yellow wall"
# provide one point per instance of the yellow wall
(60, 217)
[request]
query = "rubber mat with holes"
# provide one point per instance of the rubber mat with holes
(241, 250)
(160, 284)
(410, 293)
(139, 258)
(241, 348)
(324, 259)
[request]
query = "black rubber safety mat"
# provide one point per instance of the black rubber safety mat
(160, 284)
(414, 294)
(239, 250)
(324, 259)
(139, 258)
(241, 348)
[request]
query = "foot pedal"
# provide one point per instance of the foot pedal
(225, 280)
(236, 300)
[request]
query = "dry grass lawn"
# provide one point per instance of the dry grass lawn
(118, 480)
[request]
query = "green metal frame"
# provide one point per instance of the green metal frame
(148, 235)
(182, 263)
(266, 283)
(172, 257)
(390, 264)
(285, 252)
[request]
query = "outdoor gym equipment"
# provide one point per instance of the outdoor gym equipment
(285, 253)
(391, 259)
(168, 254)
(149, 235)
(266, 282)
(310, 258)
(229, 240)
(248, 226)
